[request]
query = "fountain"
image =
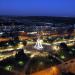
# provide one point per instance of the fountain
(38, 44)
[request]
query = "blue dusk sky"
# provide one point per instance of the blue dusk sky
(64, 8)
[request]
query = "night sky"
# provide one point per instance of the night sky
(65, 8)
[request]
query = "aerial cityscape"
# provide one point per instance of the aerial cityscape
(37, 45)
(37, 37)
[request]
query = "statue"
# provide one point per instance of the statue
(38, 44)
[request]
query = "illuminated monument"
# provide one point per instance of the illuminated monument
(38, 44)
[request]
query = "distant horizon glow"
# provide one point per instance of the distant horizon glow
(60, 8)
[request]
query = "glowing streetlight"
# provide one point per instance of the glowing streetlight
(8, 68)
(56, 48)
(21, 63)
(62, 57)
